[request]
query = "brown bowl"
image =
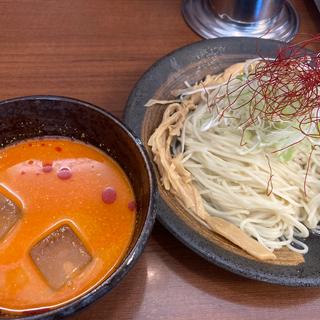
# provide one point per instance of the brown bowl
(29, 117)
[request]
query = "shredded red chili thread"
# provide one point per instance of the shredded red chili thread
(288, 86)
(284, 88)
(269, 185)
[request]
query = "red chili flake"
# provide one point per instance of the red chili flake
(30, 144)
(30, 162)
(47, 167)
(43, 144)
(109, 195)
(58, 149)
(64, 173)
(132, 205)
(22, 172)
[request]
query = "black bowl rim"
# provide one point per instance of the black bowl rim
(184, 233)
(131, 258)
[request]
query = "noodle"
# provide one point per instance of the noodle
(219, 169)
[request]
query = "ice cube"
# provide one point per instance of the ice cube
(10, 213)
(60, 256)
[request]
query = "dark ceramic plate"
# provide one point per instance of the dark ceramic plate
(192, 63)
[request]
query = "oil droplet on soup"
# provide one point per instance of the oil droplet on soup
(69, 226)
(109, 195)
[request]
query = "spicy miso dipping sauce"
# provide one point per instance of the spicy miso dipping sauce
(67, 216)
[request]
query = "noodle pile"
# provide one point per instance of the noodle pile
(259, 179)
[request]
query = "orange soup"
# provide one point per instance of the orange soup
(75, 221)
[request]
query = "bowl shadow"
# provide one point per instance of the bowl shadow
(225, 285)
(124, 301)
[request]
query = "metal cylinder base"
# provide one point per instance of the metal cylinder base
(203, 20)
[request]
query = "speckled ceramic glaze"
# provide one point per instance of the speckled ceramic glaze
(192, 63)
(36, 116)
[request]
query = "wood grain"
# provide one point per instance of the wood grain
(96, 50)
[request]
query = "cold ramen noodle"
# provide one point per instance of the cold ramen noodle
(240, 151)
(67, 216)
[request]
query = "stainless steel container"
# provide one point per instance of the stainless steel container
(273, 19)
(247, 11)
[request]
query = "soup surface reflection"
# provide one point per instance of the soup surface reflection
(71, 221)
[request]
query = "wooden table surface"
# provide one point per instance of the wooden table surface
(96, 50)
